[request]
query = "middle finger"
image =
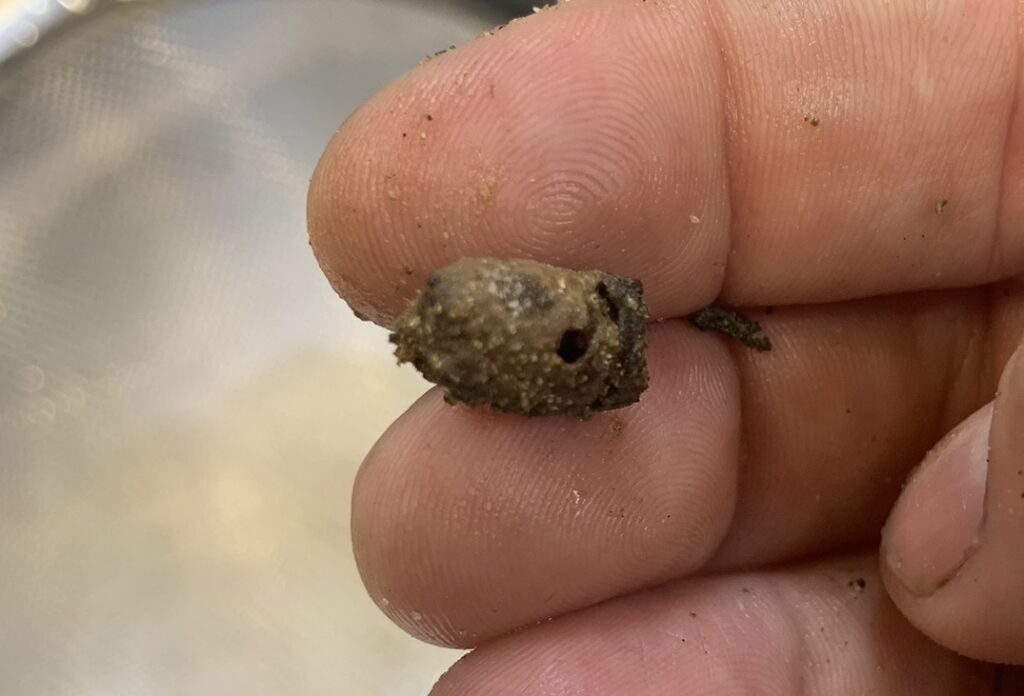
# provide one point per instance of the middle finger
(468, 524)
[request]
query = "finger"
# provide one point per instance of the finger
(467, 525)
(954, 546)
(826, 629)
(836, 418)
(768, 153)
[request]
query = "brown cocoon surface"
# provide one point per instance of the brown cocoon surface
(525, 337)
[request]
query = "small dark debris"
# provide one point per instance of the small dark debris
(941, 206)
(746, 590)
(429, 117)
(814, 121)
(693, 615)
(857, 585)
(732, 324)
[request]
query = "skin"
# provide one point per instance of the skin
(673, 141)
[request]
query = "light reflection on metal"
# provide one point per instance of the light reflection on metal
(24, 22)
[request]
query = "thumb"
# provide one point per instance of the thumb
(953, 548)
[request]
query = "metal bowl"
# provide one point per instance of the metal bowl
(183, 400)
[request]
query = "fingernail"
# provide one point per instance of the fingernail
(935, 525)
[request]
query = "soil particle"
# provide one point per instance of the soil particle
(733, 324)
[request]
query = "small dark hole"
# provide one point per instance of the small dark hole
(573, 345)
(613, 309)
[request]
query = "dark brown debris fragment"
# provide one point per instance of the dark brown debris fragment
(528, 338)
(733, 324)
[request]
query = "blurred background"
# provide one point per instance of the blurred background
(183, 401)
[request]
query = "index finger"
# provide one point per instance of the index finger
(763, 153)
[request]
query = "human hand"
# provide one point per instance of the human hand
(859, 166)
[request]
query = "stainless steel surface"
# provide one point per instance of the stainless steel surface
(24, 22)
(183, 401)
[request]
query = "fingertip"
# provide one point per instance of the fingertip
(580, 136)
(470, 524)
(976, 606)
(934, 527)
